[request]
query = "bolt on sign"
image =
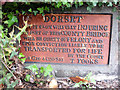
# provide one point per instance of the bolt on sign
(67, 38)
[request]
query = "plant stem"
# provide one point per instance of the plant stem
(4, 55)
(8, 68)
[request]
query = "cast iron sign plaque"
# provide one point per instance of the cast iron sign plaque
(67, 38)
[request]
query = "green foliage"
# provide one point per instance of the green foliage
(21, 57)
(91, 5)
(33, 67)
(40, 10)
(12, 19)
(46, 71)
(30, 10)
(27, 78)
(8, 48)
(38, 73)
(88, 78)
(7, 43)
(23, 12)
(13, 54)
(1, 28)
(0, 14)
(110, 4)
(6, 80)
(35, 12)
(80, 83)
(48, 6)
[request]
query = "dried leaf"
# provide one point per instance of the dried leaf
(77, 79)
(53, 83)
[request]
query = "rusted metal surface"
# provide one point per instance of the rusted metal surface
(67, 38)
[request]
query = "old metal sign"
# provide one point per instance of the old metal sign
(67, 38)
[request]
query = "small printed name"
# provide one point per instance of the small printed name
(50, 59)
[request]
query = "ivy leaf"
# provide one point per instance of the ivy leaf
(77, 85)
(14, 84)
(30, 10)
(46, 73)
(12, 20)
(8, 76)
(49, 68)
(17, 11)
(15, 4)
(46, 70)
(115, 1)
(1, 14)
(23, 12)
(6, 22)
(59, 4)
(2, 35)
(2, 81)
(6, 31)
(20, 55)
(76, 4)
(110, 4)
(27, 78)
(95, 3)
(100, 4)
(5, 41)
(40, 10)
(27, 3)
(104, 1)
(35, 12)
(65, 2)
(23, 59)
(33, 67)
(46, 8)
(51, 76)
(71, 1)
(68, 5)
(42, 69)
(38, 76)
(89, 8)
(4, 13)
(1, 52)
(114, 9)
(7, 83)
(13, 54)
(80, 3)
(12, 17)
(1, 27)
